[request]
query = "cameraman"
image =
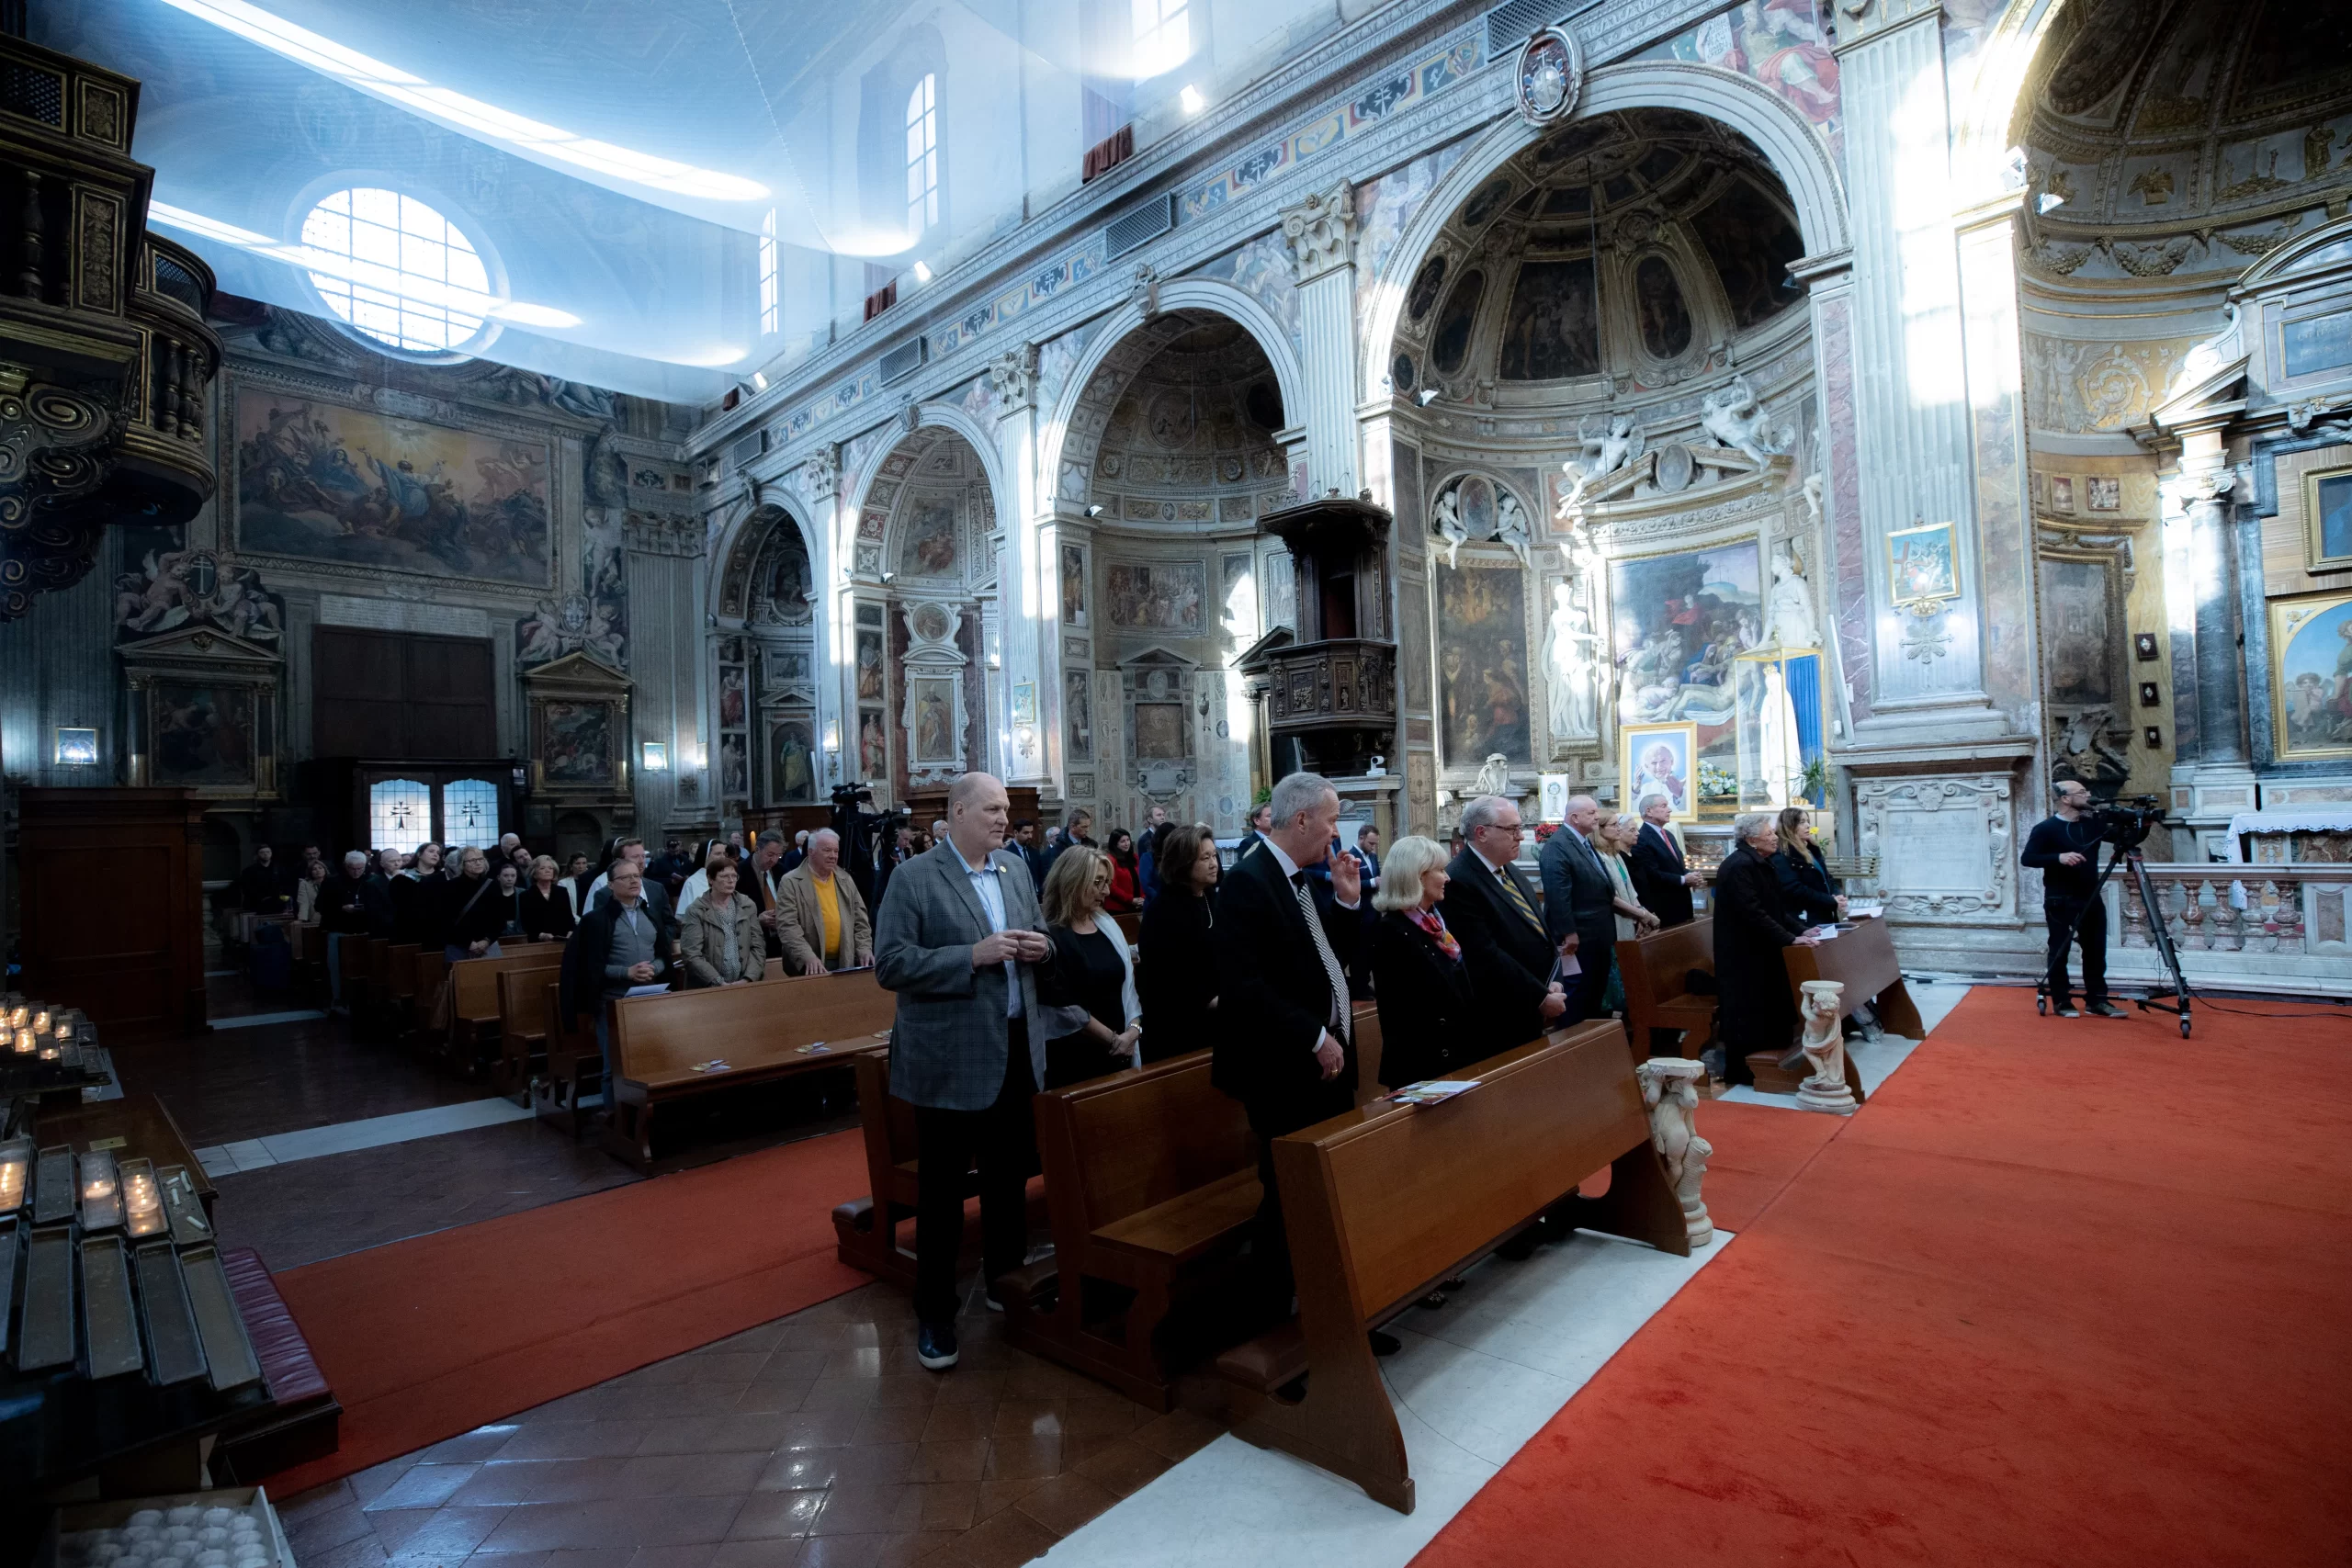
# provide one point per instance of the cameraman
(2064, 849)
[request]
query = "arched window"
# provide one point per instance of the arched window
(399, 814)
(397, 270)
(1162, 36)
(922, 155)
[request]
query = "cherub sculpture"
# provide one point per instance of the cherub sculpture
(1510, 524)
(1730, 414)
(1449, 525)
(1670, 1089)
(1620, 442)
(1823, 1044)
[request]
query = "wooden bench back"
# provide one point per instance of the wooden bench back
(1665, 959)
(476, 997)
(656, 1035)
(1112, 1146)
(353, 955)
(523, 1002)
(1366, 1030)
(1391, 1198)
(400, 965)
(890, 1128)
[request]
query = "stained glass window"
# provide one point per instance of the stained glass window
(399, 814)
(469, 813)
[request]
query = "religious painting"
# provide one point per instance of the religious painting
(1425, 283)
(1553, 791)
(1751, 241)
(203, 733)
(931, 548)
(1482, 662)
(2151, 695)
(354, 488)
(1680, 622)
(2062, 493)
(2327, 520)
(734, 768)
(1073, 586)
(869, 667)
(1160, 732)
(1921, 568)
(933, 706)
(579, 744)
(1024, 702)
(1161, 596)
(1486, 201)
(731, 689)
(1077, 706)
(165, 587)
(2078, 609)
(1657, 305)
(1449, 340)
(872, 747)
(2105, 492)
(781, 580)
(792, 761)
(1660, 758)
(1552, 330)
(2143, 646)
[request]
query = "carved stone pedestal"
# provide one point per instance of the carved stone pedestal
(1825, 1049)
(1670, 1089)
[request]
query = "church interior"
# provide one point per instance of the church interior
(555, 434)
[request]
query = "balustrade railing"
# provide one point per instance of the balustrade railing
(2290, 910)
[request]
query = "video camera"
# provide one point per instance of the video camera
(2126, 820)
(864, 832)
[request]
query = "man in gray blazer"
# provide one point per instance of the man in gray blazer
(956, 938)
(1580, 901)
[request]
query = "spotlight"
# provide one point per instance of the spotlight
(1192, 101)
(1427, 396)
(759, 380)
(922, 271)
(1094, 511)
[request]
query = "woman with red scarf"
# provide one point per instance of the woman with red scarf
(1127, 876)
(1426, 1017)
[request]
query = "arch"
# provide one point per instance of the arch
(944, 416)
(1779, 132)
(1178, 294)
(1987, 112)
(741, 536)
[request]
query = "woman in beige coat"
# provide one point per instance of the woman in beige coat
(720, 940)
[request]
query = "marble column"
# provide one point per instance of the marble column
(664, 567)
(1028, 591)
(2212, 777)
(1321, 231)
(832, 551)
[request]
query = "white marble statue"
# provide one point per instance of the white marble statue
(1823, 1044)
(1510, 524)
(1602, 454)
(1494, 776)
(1670, 1089)
(1792, 623)
(1731, 416)
(1571, 655)
(1449, 523)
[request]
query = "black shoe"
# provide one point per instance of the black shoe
(935, 1346)
(1385, 1344)
(2065, 1010)
(2106, 1009)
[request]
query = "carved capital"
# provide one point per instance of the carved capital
(1014, 377)
(1320, 231)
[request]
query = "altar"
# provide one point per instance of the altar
(2303, 835)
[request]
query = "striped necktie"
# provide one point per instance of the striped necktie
(1338, 1021)
(1518, 897)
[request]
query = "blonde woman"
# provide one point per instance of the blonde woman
(1613, 837)
(1093, 1018)
(720, 940)
(1428, 1017)
(545, 905)
(477, 914)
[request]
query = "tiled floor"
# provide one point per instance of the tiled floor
(815, 1440)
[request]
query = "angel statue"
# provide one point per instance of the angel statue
(1730, 414)
(1569, 663)
(1510, 524)
(1449, 523)
(1790, 605)
(1620, 443)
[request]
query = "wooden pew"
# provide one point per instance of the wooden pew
(1364, 1030)
(758, 1029)
(866, 1230)
(353, 958)
(1382, 1202)
(573, 1061)
(523, 1017)
(1861, 955)
(1151, 1178)
(1655, 972)
(474, 995)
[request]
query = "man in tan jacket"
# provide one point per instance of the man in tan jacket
(819, 918)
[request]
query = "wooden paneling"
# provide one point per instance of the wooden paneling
(113, 905)
(398, 695)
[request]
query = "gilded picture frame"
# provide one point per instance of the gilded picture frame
(2310, 675)
(1639, 748)
(1922, 566)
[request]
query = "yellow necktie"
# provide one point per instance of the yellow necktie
(1510, 885)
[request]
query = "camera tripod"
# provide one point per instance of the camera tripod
(2167, 959)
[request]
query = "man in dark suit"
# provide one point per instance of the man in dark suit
(1024, 844)
(1285, 1049)
(958, 938)
(1260, 816)
(1581, 905)
(1493, 914)
(1662, 878)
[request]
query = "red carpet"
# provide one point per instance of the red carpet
(429, 1337)
(2064, 1293)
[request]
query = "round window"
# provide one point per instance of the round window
(398, 271)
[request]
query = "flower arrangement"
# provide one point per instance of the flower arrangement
(1716, 783)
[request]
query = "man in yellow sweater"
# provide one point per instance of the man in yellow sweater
(819, 917)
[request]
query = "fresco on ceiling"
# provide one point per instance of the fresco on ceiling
(354, 488)
(1450, 343)
(1551, 332)
(1751, 242)
(1658, 306)
(1779, 43)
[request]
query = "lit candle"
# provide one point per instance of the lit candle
(41, 1022)
(142, 1201)
(48, 1053)
(23, 1041)
(16, 1163)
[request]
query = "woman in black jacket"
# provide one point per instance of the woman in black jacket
(1806, 886)
(1176, 969)
(1752, 926)
(545, 903)
(473, 912)
(1428, 1022)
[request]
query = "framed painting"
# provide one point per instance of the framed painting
(1160, 596)
(1658, 759)
(203, 733)
(1077, 706)
(931, 548)
(1680, 624)
(1482, 662)
(792, 758)
(579, 743)
(361, 491)
(1921, 567)
(874, 748)
(2327, 520)
(2062, 493)
(1160, 732)
(869, 667)
(932, 701)
(1073, 586)
(2310, 676)
(2081, 601)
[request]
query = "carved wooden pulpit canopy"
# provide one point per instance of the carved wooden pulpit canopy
(1330, 695)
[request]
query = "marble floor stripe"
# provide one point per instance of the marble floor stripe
(343, 1137)
(252, 1019)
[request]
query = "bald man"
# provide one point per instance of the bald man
(1581, 905)
(958, 938)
